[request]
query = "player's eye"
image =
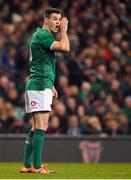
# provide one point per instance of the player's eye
(55, 19)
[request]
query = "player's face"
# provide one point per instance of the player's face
(54, 22)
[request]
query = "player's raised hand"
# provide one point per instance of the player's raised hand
(64, 25)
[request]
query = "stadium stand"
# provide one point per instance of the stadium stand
(93, 80)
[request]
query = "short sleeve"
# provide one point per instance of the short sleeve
(45, 39)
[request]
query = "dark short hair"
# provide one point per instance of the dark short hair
(49, 11)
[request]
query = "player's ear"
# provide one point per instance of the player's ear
(46, 21)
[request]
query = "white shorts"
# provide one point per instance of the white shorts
(38, 100)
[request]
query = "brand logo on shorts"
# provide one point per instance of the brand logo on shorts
(33, 103)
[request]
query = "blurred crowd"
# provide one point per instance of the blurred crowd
(93, 80)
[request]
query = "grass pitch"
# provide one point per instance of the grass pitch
(70, 171)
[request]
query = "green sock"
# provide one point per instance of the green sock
(28, 149)
(38, 141)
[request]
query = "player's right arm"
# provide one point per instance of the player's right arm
(63, 45)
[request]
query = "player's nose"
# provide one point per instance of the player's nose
(58, 22)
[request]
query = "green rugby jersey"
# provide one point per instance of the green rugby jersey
(42, 61)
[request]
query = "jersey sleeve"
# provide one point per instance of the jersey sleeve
(45, 40)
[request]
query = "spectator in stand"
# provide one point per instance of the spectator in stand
(54, 126)
(73, 126)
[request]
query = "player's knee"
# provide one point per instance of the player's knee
(42, 126)
(45, 127)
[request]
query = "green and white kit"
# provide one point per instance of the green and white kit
(38, 95)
